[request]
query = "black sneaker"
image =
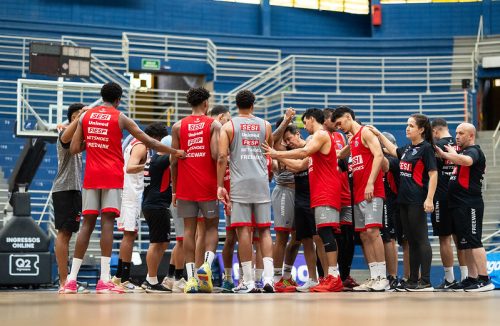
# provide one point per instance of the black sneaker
(268, 288)
(422, 286)
(144, 285)
(446, 286)
(404, 285)
(459, 287)
(480, 286)
(156, 288)
(393, 283)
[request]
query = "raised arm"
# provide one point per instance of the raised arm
(453, 156)
(295, 165)
(77, 142)
(389, 146)
(136, 161)
(312, 146)
(280, 131)
(68, 133)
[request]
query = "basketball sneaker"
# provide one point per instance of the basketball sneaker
(179, 286)
(380, 285)
(248, 287)
(192, 286)
(329, 284)
(393, 283)
(364, 287)
(108, 288)
(130, 287)
(168, 282)
(480, 286)
(285, 286)
(306, 286)
(268, 287)
(227, 286)
(446, 286)
(71, 287)
(349, 284)
(205, 277)
(402, 285)
(156, 288)
(421, 286)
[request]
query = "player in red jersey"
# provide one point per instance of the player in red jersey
(369, 194)
(99, 132)
(324, 181)
(194, 185)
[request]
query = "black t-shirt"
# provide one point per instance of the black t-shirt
(415, 162)
(464, 188)
(445, 169)
(302, 191)
(157, 188)
(391, 179)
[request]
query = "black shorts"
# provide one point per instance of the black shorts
(67, 209)
(468, 226)
(305, 224)
(159, 224)
(389, 215)
(442, 223)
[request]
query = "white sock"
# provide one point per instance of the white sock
(268, 269)
(190, 270)
(373, 270)
(209, 257)
(246, 266)
(287, 271)
(278, 273)
(105, 268)
(152, 280)
(464, 272)
(258, 274)
(333, 270)
(227, 274)
(382, 271)
(75, 268)
(448, 274)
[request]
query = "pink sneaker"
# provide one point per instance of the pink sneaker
(71, 287)
(108, 287)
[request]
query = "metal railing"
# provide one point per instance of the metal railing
(495, 143)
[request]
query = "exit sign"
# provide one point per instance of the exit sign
(150, 64)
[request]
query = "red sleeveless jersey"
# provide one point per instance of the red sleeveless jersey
(324, 178)
(197, 173)
(345, 194)
(362, 160)
(103, 136)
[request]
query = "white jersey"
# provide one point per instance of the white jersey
(133, 184)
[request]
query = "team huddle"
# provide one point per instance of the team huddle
(344, 183)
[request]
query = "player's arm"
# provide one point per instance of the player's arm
(312, 146)
(77, 142)
(135, 163)
(453, 156)
(134, 129)
(214, 139)
(280, 131)
(374, 145)
(391, 149)
(295, 166)
(173, 160)
(67, 134)
(222, 163)
(385, 165)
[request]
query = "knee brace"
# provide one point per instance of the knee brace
(326, 235)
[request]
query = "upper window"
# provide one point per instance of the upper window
(425, 1)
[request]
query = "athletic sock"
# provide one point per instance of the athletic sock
(287, 271)
(246, 266)
(333, 270)
(268, 269)
(105, 268)
(382, 270)
(75, 268)
(119, 269)
(126, 271)
(373, 270)
(152, 280)
(448, 274)
(278, 273)
(209, 257)
(258, 274)
(227, 274)
(464, 272)
(171, 271)
(190, 270)
(178, 274)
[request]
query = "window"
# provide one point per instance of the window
(350, 6)
(424, 1)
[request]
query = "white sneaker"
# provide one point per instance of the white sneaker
(131, 288)
(365, 287)
(168, 282)
(306, 286)
(246, 288)
(178, 286)
(380, 284)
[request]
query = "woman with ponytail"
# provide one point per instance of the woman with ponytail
(418, 180)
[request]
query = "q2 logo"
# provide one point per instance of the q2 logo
(24, 265)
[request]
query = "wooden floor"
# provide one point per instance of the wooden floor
(49, 308)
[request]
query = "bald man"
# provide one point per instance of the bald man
(467, 207)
